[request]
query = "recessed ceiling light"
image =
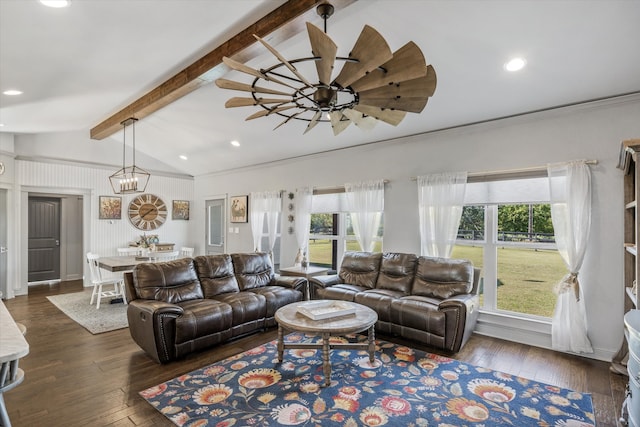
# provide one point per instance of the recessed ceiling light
(515, 64)
(56, 3)
(183, 157)
(235, 143)
(12, 92)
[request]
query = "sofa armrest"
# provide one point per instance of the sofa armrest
(152, 327)
(467, 301)
(293, 282)
(322, 282)
(461, 314)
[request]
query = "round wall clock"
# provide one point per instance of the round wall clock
(147, 212)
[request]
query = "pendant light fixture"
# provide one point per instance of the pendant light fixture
(129, 179)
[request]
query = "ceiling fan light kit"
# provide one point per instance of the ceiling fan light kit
(374, 84)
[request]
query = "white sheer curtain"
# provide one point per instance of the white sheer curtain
(257, 208)
(365, 203)
(440, 203)
(302, 219)
(269, 204)
(273, 207)
(570, 188)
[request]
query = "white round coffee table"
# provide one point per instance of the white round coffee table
(290, 319)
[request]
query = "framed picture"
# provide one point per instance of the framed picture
(180, 209)
(110, 207)
(239, 209)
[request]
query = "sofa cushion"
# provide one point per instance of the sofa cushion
(442, 277)
(246, 306)
(379, 300)
(360, 269)
(172, 281)
(419, 313)
(277, 296)
(201, 318)
(253, 270)
(396, 272)
(216, 274)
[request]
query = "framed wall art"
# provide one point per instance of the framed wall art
(180, 209)
(239, 208)
(110, 207)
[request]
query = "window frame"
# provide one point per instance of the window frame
(490, 245)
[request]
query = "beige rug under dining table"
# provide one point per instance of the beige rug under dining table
(290, 318)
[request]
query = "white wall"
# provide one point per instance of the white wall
(590, 131)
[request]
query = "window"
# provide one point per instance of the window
(331, 233)
(510, 236)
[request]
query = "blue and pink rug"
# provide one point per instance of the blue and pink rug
(404, 387)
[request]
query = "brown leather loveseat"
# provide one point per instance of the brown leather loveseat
(178, 307)
(432, 300)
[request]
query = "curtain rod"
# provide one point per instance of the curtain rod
(531, 172)
(336, 189)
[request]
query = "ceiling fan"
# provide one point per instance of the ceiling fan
(374, 84)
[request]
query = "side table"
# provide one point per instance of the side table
(308, 272)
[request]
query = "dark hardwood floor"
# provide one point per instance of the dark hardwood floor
(74, 378)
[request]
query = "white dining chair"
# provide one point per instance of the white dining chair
(99, 283)
(130, 251)
(161, 256)
(186, 252)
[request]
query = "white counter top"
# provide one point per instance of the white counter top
(12, 343)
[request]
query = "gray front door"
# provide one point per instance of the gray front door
(215, 216)
(44, 239)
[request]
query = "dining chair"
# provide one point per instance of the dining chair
(186, 252)
(160, 256)
(98, 282)
(130, 251)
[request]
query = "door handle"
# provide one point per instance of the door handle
(3, 250)
(57, 242)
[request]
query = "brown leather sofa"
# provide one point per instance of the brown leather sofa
(432, 300)
(178, 307)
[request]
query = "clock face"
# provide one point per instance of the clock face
(147, 212)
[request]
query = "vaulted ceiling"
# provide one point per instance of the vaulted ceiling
(80, 65)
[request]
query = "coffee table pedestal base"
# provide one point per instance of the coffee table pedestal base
(326, 346)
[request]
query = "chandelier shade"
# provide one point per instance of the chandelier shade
(129, 179)
(373, 84)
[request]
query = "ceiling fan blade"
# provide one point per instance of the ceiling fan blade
(283, 60)
(337, 123)
(289, 118)
(230, 84)
(358, 119)
(393, 117)
(263, 113)
(410, 95)
(407, 63)
(323, 47)
(245, 102)
(313, 122)
(371, 51)
(238, 66)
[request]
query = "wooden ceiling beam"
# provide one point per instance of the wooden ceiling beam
(281, 24)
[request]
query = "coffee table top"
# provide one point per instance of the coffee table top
(289, 318)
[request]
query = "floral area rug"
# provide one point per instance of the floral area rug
(403, 387)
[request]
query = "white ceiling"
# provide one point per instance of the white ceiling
(79, 65)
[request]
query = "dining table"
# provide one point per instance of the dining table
(121, 263)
